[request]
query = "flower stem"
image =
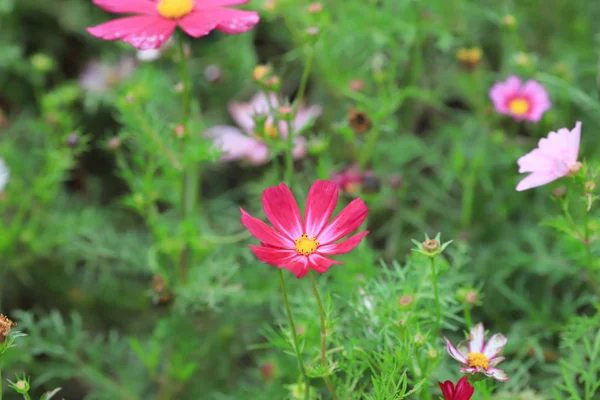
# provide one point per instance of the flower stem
(27, 397)
(289, 157)
(294, 338)
(0, 378)
(323, 334)
(190, 176)
(468, 320)
(436, 294)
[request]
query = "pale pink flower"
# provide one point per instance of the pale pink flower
(527, 101)
(155, 20)
(480, 357)
(245, 144)
(555, 157)
(99, 76)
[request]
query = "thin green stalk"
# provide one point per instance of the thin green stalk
(304, 79)
(289, 157)
(436, 294)
(323, 334)
(468, 319)
(0, 378)
(294, 337)
(27, 397)
(588, 247)
(190, 175)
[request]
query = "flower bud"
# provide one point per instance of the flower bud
(286, 112)
(560, 191)
(314, 8)
(356, 85)
(395, 181)
(359, 120)
(431, 245)
(590, 186)
(419, 339)
(300, 329)
(432, 353)
(180, 87)
(313, 31)
(270, 5)
(21, 386)
(212, 73)
(73, 139)
(261, 72)
(114, 143)
(522, 59)
(405, 300)
(267, 370)
(273, 83)
(42, 62)
(317, 145)
(5, 326)
(469, 57)
(180, 131)
(509, 21)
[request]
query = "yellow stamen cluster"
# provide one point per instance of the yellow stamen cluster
(270, 130)
(478, 360)
(174, 9)
(519, 106)
(306, 246)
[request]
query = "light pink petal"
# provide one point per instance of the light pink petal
(494, 345)
(243, 113)
(495, 361)
(287, 259)
(500, 92)
(454, 353)
(536, 179)
(347, 221)
(574, 140)
(200, 4)
(476, 338)
(305, 115)
(343, 247)
(563, 145)
(470, 370)
(320, 203)
(127, 6)
(320, 263)
(282, 210)
(539, 99)
(142, 32)
(202, 22)
(236, 145)
(300, 148)
(265, 233)
(536, 161)
(497, 374)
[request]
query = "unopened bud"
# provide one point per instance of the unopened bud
(395, 181)
(22, 386)
(286, 112)
(405, 300)
(114, 143)
(471, 297)
(590, 186)
(301, 330)
(315, 8)
(180, 87)
(260, 72)
(522, 59)
(271, 130)
(560, 191)
(270, 5)
(213, 73)
(180, 131)
(72, 139)
(575, 168)
(431, 245)
(356, 85)
(509, 21)
(267, 370)
(432, 353)
(419, 339)
(42, 62)
(273, 83)
(313, 31)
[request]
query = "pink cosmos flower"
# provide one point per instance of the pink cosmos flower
(555, 157)
(480, 357)
(156, 20)
(298, 244)
(523, 102)
(245, 144)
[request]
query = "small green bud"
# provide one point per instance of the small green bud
(42, 62)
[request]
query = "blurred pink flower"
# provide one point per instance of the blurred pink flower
(99, 76)
(480, 357)
(244, 144)
(554, 158)
(523, 102)
(156, 21)
(349, 179)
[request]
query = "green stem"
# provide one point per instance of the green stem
(0, 378)
(289, 157)
(588, 247)
(323, 334)
(304, 79)
(190, 175)
(294, 337)
(26, 396)
(468, 320)
(436, 294)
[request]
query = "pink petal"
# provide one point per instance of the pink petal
(142, 32)
(304, 116)
(127, 6)
(200, 4)
(321, 264)
(539, 100)
(347, 221)
(342, 247)
(476, 338)
(202, 22)
(494, 345)
(243, 113)
(495, 361)
(320, 203)
(562, 145)
(454, 353)
(497, 374)
(265, 233)
(236, 145)
(282, 210)
(470, 370)
(536, 179)
(300, 148)
(500, 92)
(287, 259)
(536, 161)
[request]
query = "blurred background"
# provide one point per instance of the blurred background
(89, 238)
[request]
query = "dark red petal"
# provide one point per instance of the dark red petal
(343, 247)
(320, 203)
(447, 390)
(464, 390)
(265, 233)
(347, 221)
(281, 209)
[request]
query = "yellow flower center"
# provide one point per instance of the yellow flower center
(174, 9)
(478, 360)
(270, 130)
(519, 106)
(306, 246)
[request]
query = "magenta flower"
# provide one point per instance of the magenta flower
(298, 244)
(244, 144)
(480, 357)
(523, 102)
(555, 157)
(156, 21)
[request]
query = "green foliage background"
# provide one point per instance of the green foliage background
(86, 227)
